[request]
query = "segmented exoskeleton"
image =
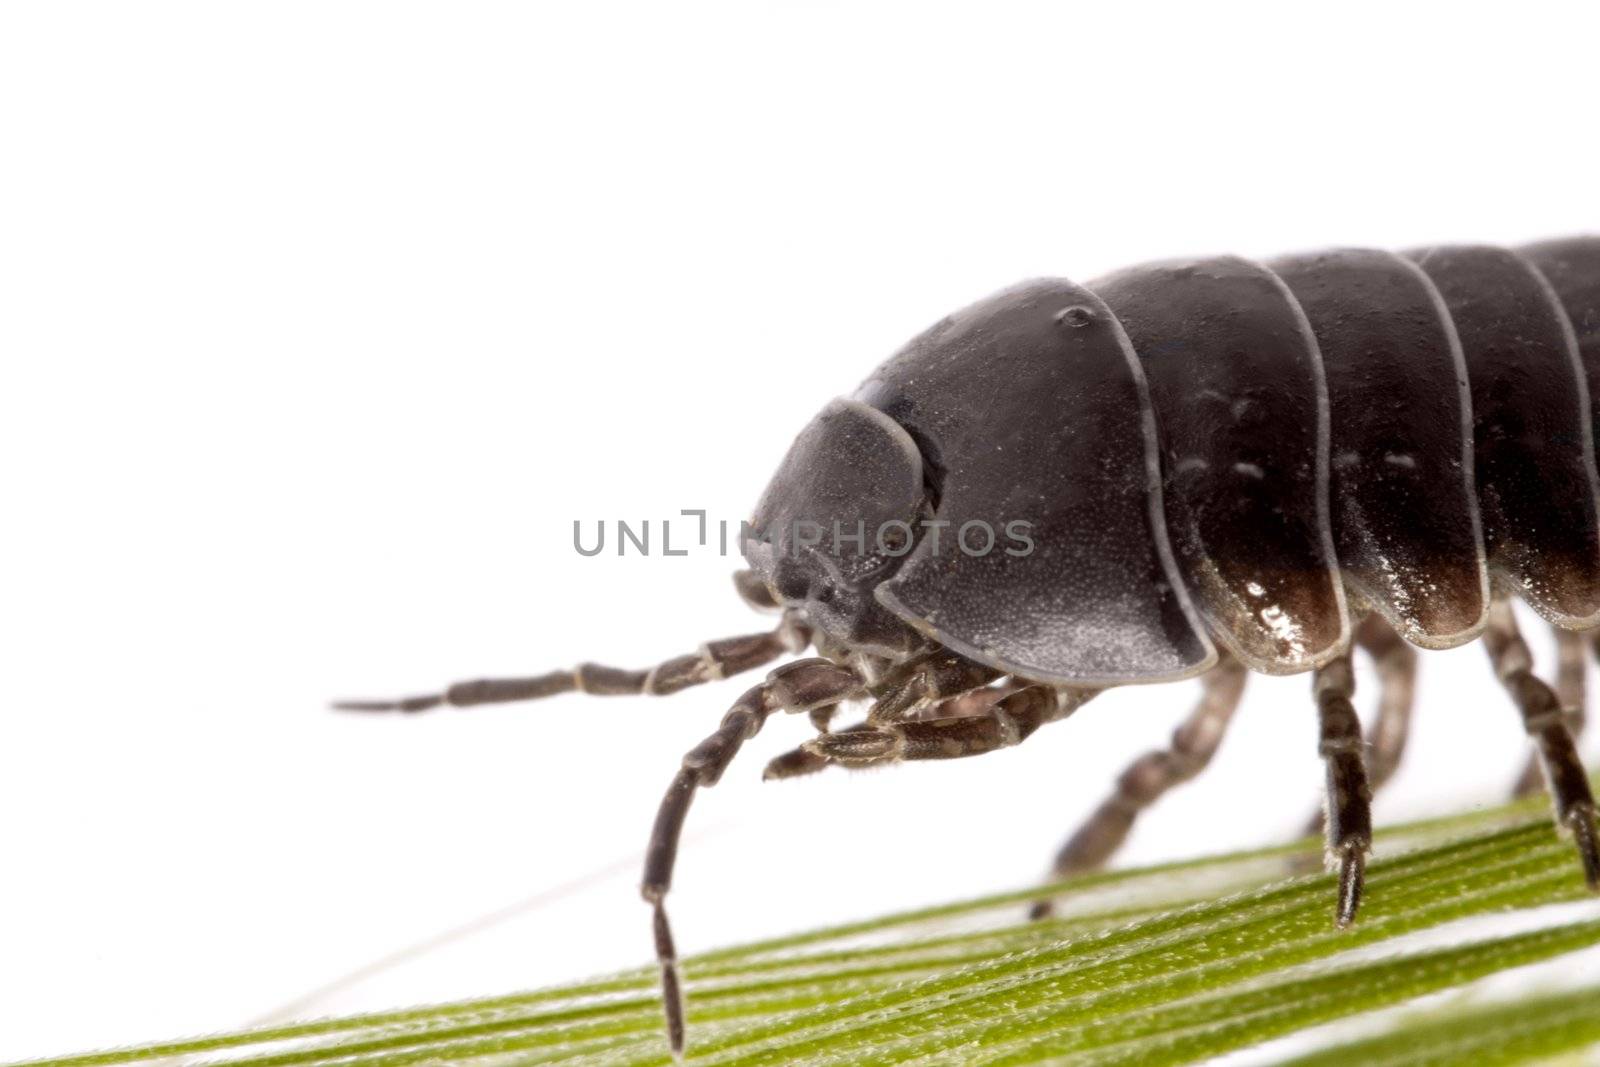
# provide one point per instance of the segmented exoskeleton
(1218, 466)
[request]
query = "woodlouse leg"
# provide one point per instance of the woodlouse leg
(1349, 796)
(1542, 719)
(1571, 671)
(1008, 722)
(977, 702)
(714, 661)
(800, 686)
(904, 693)
(801, 761)
(1396, 663)
(1194, 742)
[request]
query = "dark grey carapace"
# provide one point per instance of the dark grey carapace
(1218, 466)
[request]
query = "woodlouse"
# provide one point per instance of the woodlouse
(1220, 466)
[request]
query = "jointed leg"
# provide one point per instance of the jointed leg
(1571, 670)
(714, 661)
(922, 688)
(906, 692)
(1194, 742)
(1396, 663)
(1542, 719)
(800, 686)
(1009, 721)
(1349, 796)
(1572, 676)
(977, 702)
(801, 760)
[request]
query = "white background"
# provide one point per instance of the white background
(321, 323)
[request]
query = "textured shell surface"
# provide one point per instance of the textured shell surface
(1217, 454)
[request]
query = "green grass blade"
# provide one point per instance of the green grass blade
(1524, 1031)
(1164, 965)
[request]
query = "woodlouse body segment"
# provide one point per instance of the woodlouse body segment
(1532, 441)
(1052, 429)
(1572, 267)
(1236, 384)
(1403, 506)
(1220, 466)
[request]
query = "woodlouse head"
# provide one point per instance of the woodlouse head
(837, 519)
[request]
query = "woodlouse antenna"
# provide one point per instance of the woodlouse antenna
(671, 982)
(800, 686)
(713, 662)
